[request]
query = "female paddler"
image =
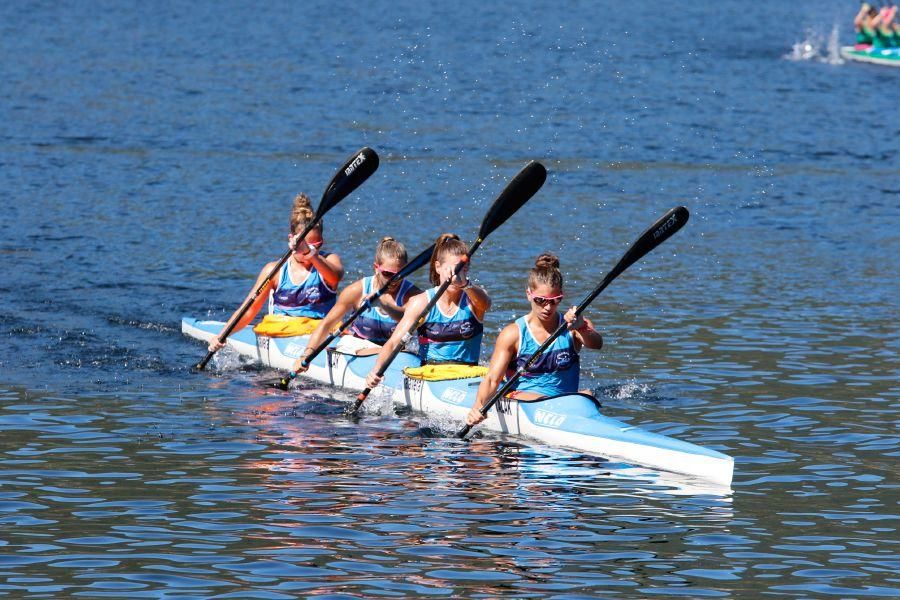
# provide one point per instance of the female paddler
(452, 330)
(376, 324)
(305, 286)
(557, 370)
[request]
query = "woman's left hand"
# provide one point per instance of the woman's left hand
(307, 252)
(574, 321)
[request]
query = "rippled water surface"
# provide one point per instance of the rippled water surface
(148, 155)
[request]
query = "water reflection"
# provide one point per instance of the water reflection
(498, 514)
(147, 165)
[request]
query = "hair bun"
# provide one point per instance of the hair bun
(387, 238)
(302, 213)
(302, 202)
(547, 261)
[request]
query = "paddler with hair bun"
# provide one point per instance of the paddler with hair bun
(556, 372)
(451, 332)
(306, 285)
(375, 325)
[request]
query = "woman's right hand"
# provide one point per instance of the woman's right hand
(368, 298)
(474, 417)
(298, 367)
(215, 345)
(373, 379)
(457, 279)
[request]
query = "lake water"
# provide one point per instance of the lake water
(148, 156)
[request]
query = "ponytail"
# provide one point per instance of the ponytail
(389, 248)
(447, 243)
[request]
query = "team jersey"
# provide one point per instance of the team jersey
(450, 338)
(312, 298)
(557, 369)
(374, 324)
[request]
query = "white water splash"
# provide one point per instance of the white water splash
(833, 56)
(816, 47)
(442, 422)
(228, 359)
(380, 402)
(629, 390)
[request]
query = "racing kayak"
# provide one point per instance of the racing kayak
(878, 56)
(570, 421)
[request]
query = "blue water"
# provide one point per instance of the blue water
(148, 156)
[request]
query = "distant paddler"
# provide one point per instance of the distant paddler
(864, 26)
(377, 322)
(876, 28)
(451, 332)
(305, 286)
(557, 371)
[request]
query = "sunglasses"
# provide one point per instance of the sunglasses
(384, 272)
(299, 244)
(544, 300)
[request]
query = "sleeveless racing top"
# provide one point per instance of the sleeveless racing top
(455, 338)
(557, 369)
(312, 298)
(374, 324)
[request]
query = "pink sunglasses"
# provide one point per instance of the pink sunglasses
(545, 300)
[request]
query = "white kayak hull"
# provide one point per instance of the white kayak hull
(570, 421)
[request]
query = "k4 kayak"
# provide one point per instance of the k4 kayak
(878, 56)
(571, 421)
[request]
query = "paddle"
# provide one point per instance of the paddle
(410, 268)
(355, 171)
(659, 232)
(517, 192)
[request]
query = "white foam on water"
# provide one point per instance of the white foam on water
(379, 402)
(815, 47)
(630, 389)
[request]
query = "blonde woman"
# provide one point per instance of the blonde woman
(306, 285)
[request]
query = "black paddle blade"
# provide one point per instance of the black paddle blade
(659, 232)
(417, 263)
(355, 171)
(517, 192)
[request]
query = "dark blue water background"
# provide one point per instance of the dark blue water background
(148, 156)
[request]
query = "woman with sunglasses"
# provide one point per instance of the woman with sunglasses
(305, 286)
(375, 325)
(556, 371)
(451, 332)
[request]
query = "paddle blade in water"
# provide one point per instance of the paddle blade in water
(355, 171)
(517, 192)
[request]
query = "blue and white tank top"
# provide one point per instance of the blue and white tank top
(312, 298)
(456, 338)
(374, 324)
(557, 369)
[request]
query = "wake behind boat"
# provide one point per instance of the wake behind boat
(570, 421)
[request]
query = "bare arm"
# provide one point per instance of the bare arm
(478, 300)
(331, 269)
(583, 331)
(858, 20)
(390, 306)
(505, 351)
(416, 305)
(214, 344)
(347, 300)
